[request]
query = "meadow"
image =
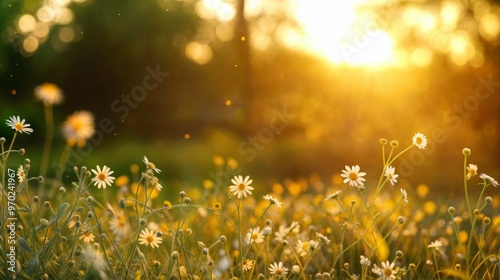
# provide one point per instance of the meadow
(88, 222)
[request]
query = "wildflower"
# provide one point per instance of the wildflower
(389, 173)
(419, 140)
(74, 219)
(150, 165)
(122, 181)
(295, 269)
(183, 272)
(284, 231)
(489, 180)
(148, 237)
(241, 187)
(277, 269)
(217, 206)
(333, 195)
(102, 177)
(18, 125)
(323, 238)
(471, 171)
(386, 272)
(21, 174)
(255, 235)
(88, 237)
(49, 94)
(404, 194)
(119, 226)
(364, 261)
(156, 184)
(247, 265)
(353, 176)
(78, 128)
(97, 265)
(303, 248)
(436, 245)
(273, 200)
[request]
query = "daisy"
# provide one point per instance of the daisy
(18, 125)
(389, 173)
(323, 238)
(241, 187)
(471, 171)
(333, 195)
(78, 128)
(88, 237)
(148, 237)
(255, 235)
(119, 226)
(247, 265)
(404, 194)
(73, 220)
(436, 245)
(278, 270)
(150, 165)
(21, 174)
(419, 140)
(386, 272)
(284, 231)
(49, 94)
(102, 177)
(364, 261)
(489, 180)
(303, 248)
(353, 176)
(273, 200)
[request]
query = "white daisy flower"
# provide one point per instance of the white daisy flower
(389, 173)
(241, 188)
(353, 176)
(18, 125)
(102, 177)
(419, 140)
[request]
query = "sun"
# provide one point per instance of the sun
(344, 32)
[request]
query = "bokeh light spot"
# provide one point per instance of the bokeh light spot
(198, 52)
(30, 44)
(26, 23)
(66, 34)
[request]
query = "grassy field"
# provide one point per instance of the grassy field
(91, 221)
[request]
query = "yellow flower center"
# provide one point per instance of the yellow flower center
(306, 246)
(419, 140)
(77, 125)
(241, 187)
(353, 176)
(150, 238)
(255, 235)
(19, 126)
(101, 176)
(388, 271)
(278, 271)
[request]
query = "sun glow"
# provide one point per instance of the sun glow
(342, 32)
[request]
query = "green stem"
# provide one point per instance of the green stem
(49, 135)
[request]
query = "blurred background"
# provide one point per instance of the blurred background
(289, 89)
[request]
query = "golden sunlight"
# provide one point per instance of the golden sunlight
(342, 32)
